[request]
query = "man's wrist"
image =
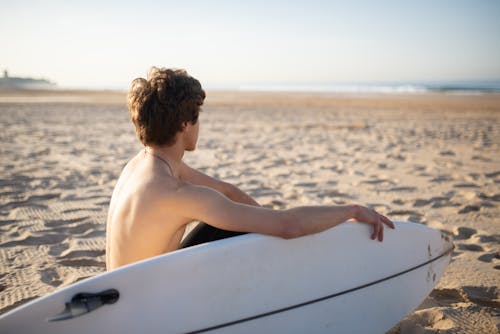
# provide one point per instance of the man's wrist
(353, 210)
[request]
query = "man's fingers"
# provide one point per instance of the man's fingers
(378, 227)
(381, 232)
(388, 222)
(375, 230)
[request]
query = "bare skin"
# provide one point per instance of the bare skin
(157, 195)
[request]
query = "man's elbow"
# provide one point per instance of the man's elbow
(228, 190)
(290, 227)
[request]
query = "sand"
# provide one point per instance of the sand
(431, 158)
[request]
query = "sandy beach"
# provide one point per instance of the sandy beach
(429, 158)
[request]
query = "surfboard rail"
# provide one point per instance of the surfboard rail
(204, 330)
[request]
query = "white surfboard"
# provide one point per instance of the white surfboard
(337, 281)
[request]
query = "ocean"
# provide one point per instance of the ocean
(420, 87)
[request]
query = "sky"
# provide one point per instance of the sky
(106, 44)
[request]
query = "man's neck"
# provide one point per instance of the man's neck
(172, 155)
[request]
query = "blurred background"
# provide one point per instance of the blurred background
(342, 46)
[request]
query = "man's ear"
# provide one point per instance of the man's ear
(184, 126)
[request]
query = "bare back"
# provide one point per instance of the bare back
(140, 225)
(150, 209)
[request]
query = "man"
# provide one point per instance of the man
(157, 194)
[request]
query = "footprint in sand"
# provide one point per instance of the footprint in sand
(493, 174)
(489, 257)
(81, 253)
(448, 297)
(448, 153)
(494, 197)
(466, 318)
(63, 222)
(421, 202)
(466, 185)
(489, 238)
(43, 197)
(75, 230)
(18, 204)
(463, 233)
(419, 168)
(378, 181)
(470, 236)
(481, 158)
(306, 184)
(470, 247)
(398, 157)
(82, 263)
(438, 201)
(400, 189)
(79, 210)
(58, 249)
(469, 208)
(398, 202)
(50, 276)
(483, 295)
(382, 165)
(466, 310)
(442, 178)
(48, 239)
(82, 258)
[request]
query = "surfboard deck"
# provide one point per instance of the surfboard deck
(337, 281)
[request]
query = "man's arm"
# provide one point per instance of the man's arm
(204, 204)
(235, 194)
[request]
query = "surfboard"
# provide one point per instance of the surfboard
(337, 281)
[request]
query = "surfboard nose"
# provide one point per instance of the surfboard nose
(448, 244)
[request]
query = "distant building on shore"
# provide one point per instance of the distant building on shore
(8, 82)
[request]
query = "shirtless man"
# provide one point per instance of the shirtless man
(158, 194)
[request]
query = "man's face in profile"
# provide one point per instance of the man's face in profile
(191, 133)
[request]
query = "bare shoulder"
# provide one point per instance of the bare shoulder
(193, 195)
(145, 184)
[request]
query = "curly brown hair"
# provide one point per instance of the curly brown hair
(160, 105)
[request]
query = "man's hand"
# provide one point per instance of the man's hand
(370, 216)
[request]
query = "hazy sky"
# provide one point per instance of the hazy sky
(105, 44)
